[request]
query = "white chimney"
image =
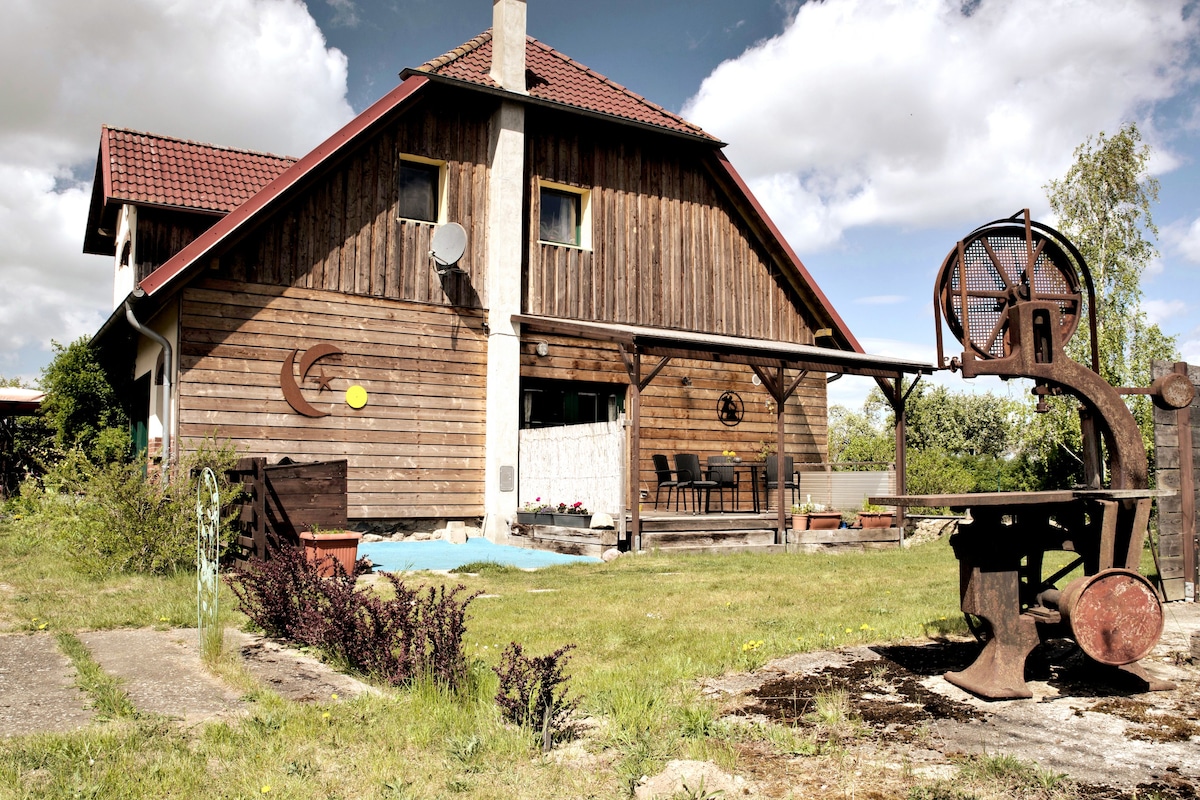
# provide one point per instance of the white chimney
(508, 44)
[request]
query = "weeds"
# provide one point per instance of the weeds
(121, 518)
(533, 691)
(108, 698)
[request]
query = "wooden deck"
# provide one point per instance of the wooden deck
(709, 534)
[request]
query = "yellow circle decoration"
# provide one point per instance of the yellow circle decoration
(356, 396)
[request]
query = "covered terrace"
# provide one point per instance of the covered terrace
(781, 366)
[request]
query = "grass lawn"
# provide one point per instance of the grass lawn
(646, 628)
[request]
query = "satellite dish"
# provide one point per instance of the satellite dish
(447, 247)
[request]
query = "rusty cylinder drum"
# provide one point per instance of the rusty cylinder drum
(1114, 616)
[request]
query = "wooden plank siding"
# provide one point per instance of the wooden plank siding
(334, 263)
(415, 450)
(683, 419)
(162, 233)
(342, 234)
(668, 249)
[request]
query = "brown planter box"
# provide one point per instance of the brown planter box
(320, 548)
(824, 520)
(875, 519)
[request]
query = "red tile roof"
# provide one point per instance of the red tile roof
(147, 168)
(553, 76)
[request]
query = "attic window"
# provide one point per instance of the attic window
(565, 215)
(422, 185)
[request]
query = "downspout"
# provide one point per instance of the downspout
(166, 386)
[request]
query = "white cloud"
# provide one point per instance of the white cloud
(1157, 311)
(908, 112)
(1185, 239)
(345, 13)
(1189, 348)
(246, 73)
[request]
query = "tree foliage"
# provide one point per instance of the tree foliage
(24, 446)
(956, 441)
(1103, 206)
(81, 407)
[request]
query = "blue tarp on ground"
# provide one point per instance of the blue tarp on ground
(440, 554)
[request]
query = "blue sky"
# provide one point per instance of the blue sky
(876, 132)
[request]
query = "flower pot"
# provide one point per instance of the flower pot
(573, 520)
(323, 549)
(799, 522)
(526, 517)
(824, 520)
(875, 519)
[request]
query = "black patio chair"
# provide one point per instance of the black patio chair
(666, 479)
(723, 471)
(791, 480)
(690, 476)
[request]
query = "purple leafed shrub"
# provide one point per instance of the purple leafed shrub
(416, 634)
(533, 691)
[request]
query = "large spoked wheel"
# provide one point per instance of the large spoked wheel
(1004, 264)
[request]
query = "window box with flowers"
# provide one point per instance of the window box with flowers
(572, 516)
(535, 512)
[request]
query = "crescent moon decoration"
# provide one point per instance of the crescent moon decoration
(287, 380)
(730, 409)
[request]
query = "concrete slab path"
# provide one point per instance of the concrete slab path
(37, 687)
(162, 673)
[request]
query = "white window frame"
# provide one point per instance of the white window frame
(585, 213)
(443, 199)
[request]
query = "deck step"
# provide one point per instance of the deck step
(707, 522)
(670, 540)
(763, 549)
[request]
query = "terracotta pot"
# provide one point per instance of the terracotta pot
(824, 520)
(799, 522)
(875, 519)
(340, 546)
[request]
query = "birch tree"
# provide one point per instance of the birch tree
(1103, 205)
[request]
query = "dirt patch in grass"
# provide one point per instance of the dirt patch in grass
(883, 695)
(884, 722)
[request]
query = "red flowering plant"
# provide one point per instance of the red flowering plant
(574, 508)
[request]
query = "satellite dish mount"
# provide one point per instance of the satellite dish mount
(447, 247)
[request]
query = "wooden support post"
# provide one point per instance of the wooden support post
(635, 452)
(901, 452)
(780, 522)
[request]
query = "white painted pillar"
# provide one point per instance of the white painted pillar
(506, 192)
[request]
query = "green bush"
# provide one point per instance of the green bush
(119, 517)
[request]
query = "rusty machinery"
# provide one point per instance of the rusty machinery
(1013, 293)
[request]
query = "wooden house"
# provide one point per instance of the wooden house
(308, 319)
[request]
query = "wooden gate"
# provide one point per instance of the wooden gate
(1177, 461)
(282, 500)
